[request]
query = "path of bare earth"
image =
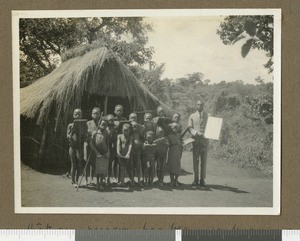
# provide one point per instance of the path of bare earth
(227, 186)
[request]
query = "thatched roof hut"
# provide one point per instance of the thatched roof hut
(97, 78)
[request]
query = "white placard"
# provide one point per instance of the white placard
(213, 128)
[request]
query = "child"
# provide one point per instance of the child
(112, 146)
(162, 143)
(92, 126)
(163, 124)
(133, 117)
(117, 119)
(137, 145)
(75, 149)
(149, 152)
(99, 144)
(160, 113)
(176, 119)
(124, 145)
(148, 124)
(118, 115)
(174, 154)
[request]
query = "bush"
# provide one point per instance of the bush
(245, 142)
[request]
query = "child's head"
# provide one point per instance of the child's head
(134, 126)
(102, 124)
(77, 114)
(150, 136)
(119, 110)
(174, 127)
(110, 119)
(96, 113)
(176, 117)
(126, 129)
(133, 117)
(147, 117)
(160, 111)
(160, 132)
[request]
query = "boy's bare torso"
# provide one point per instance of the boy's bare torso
(124, 144)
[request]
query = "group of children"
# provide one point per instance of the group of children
(112, 146)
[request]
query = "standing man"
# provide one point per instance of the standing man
(196, 124)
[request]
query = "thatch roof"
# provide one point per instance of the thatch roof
(98, 72)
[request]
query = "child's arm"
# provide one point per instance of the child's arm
(89, 133)
(180, 129)
(129, 148)
(113, 138)
(167, 142)
(181, 140)
(155, 151)
(92, 145)
(69, 131)
(143, 147)
(119, 146)
(141, 131)
(107, 144)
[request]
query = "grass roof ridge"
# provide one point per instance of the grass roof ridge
(80, 50)
(98, 72)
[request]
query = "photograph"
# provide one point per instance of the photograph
(174, 111)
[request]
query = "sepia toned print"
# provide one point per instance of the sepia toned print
(155, 114)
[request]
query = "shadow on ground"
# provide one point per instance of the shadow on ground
(166, 187)
(226, 188)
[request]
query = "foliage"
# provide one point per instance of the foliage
(256, 30)
(191, 79)
(152, 79)
(245, 142)
(43, 40)
(247, 112)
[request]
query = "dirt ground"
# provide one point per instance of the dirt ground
(227, 186)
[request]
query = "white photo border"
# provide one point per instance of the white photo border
(275, 210)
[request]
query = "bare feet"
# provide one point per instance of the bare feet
(122, 184)
(202, 183)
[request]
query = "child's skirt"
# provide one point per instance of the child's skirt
(174, 156)
(101, 166)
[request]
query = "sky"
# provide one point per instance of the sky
(190, 44)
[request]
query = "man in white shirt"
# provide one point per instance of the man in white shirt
(196, 126)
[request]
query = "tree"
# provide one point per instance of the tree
(259, 80)
(196, 78)
(191, 79)
(207, 81)
(152, 79)
(256, 30)
(42, 41)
